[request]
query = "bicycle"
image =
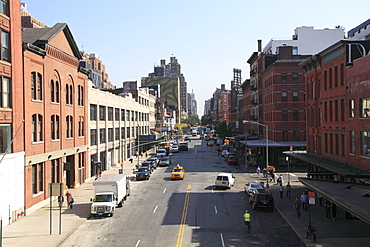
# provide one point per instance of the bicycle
(248, 226)
(311, 235)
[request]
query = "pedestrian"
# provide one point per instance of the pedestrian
(272, 176)
(69, 198)
(264, 172)
(297, 206)
(281, 190)
(279, 179)
(334, 210)
(146, 154)
(288, 190)
(320, 198)
(258, 171)
(327, 207)
(304, 200)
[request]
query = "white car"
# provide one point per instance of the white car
(162, 152)
(174, 149)
(224, 153)
(249, 188)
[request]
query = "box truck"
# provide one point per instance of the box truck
(111, 191)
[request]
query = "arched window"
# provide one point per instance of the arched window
(52, 91)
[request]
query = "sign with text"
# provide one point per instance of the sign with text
(356, 49)
(56, 189)
(311, 197)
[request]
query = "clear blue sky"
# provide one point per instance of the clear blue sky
(208, 37)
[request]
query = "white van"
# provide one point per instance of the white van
(225, 180)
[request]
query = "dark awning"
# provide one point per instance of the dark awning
(262, 143)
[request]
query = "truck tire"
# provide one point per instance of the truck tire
(120, 204)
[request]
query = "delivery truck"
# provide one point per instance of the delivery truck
(111, 190)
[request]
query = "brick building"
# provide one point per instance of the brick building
(224, 105)
(55, 112)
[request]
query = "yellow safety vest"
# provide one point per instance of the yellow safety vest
(247, 217)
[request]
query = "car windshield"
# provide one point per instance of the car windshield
(165, 158)
(142, 169)
(103, 198)
(177, 170)
(256, 186)
(145, 164)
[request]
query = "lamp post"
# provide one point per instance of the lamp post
(267, 147)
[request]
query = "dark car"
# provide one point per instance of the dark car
(262, 198)
(149, 165)
(154, 161)
(232, 160)
(142, 174)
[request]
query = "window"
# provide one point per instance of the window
(122, 115)
(37, 178)
(36, 127)
(69, 94)
(365, 143)
(285, 135)
(102, 136)
(5, 137)
(284, 96)
(128, 132)
(123, 132)
(116, 114)
(284, 117)
(110, 113)
(296, 135)
(365, 107)
(5, 92)
(295, 78)
(295, 96)
(128, 115)
(294, 50)
(283, 78)
(92, 112)
(110, 134)
(352, 142)
(69, 126)
(93, 137)
(351, 108)
(4, 7)
(81, 127)
(295, 115)
(336, 76)
(5, 52)
(55, 166)
(116, 134)
(330, 78)
(102, 112)
(80, 99)
(54, 127)
(341, 74)
(36, 86)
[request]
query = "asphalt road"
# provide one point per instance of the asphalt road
(189, 212)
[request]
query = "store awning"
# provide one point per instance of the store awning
(262, 143)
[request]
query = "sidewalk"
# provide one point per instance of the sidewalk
(338, 232)
(34, 230)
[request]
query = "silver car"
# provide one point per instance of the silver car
(165, 161)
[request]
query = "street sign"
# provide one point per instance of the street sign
(311, 197)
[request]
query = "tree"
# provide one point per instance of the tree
(223, 130)
(206, 120)
(191, 120)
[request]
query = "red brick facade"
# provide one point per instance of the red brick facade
(56, 115)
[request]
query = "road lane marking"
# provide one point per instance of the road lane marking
(212, 190)
(215, 209)
(222, 240)
(155, 209)
(164, 191)
(180, 235)
(137, 244)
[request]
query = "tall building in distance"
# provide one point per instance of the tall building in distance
(173, 69)
(192, 104)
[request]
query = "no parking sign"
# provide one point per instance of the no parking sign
(311, 197)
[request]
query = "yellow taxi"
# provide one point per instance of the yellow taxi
(210, 143)
(207, 138)
(178, 172)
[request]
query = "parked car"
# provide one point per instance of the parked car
(183, 146)
(262, 198)
(149, 165)
(142, 173)
(232, 160)
(250, 188)
(153, 159)
(207, 137)
(210, 143)
(187, 138)
(165, 161)
(162, 152)
(224, 180)
(174, 148)
(224, 152)
(178, 172)
(226, 156)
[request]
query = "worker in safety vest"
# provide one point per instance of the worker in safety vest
(247, 219)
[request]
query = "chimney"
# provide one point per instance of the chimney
(259, 45)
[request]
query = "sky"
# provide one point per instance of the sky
(208, 37)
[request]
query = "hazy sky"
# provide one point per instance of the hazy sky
(208, 37)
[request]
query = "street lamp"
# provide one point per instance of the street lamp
(267, 147)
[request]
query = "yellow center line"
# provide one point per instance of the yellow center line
(180, 235)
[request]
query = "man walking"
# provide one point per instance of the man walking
(297, 206)
(304, 200)
(288, 190)
(327, 207)
(281, 190)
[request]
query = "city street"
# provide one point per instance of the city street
(189, 212)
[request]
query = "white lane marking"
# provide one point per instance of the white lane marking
(212, 190)
(222, 240)
(164, 191)
(215, 209)
(137, 244)
(155, 209)
(292, 174)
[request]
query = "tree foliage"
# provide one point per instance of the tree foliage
(191, 120)
(223, 130)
